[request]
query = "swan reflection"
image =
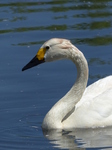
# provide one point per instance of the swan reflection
(80, 138)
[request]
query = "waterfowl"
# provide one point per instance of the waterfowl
(81, 107)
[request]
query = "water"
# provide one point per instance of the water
(25, 97)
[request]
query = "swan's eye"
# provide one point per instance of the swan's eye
(47, 47)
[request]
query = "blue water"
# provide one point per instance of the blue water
(25, 97)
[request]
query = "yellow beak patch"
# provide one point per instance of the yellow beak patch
(40, 54)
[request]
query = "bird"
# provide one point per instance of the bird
(81, 106)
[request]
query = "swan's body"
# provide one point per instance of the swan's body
(81, 107)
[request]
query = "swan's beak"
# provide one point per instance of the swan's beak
(38, 59)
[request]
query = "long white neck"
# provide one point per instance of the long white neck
(65, 106)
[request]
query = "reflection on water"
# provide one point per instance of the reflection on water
(80, 139)
(83, 15)
(106, 40)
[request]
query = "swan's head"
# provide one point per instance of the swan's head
(54, 49)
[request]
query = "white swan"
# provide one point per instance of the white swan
(81, 107)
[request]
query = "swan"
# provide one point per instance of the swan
(81, 107)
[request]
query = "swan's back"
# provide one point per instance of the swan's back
(95, 106)
(96, 90)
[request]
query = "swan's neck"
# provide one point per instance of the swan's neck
(66, 105)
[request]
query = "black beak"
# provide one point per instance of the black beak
(32, 63)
